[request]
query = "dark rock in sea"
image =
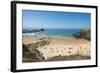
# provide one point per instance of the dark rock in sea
(84, 33)
(32, 30)
(42, 29)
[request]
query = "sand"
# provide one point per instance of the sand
(61, 46)
(56, 41)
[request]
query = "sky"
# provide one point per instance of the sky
(55, 19)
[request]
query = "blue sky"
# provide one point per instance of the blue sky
(52, 19)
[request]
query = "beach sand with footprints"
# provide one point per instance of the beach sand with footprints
(55, 49)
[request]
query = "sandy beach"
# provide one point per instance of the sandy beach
(65, 46)
(56, 36)
(56, 41)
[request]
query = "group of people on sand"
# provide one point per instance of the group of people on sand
(50, 51)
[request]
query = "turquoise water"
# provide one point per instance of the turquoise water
(54, 33)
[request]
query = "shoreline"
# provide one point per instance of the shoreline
(32, 39)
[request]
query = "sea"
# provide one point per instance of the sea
(57, 33)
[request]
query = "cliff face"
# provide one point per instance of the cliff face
(85, 33)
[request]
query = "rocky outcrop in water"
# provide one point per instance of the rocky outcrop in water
(32, 30)
(84, 33)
